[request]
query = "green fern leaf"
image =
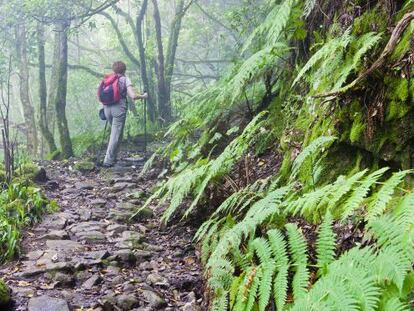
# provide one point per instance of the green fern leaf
(281, 287)
(394, 304)
(384, 195)
(361, 192)
(265, 288)
(297, 244)
(279, 247)
(326, 244)
(311, 150)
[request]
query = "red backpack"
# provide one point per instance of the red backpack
(109, 92)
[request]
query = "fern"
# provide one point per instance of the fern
(359, 194)
(281, 287)
(326, 244)
(273, 26)
(298, 251)
(310, 151)
(327, 50)
(384, 195)
(394, 304)
(308, 7)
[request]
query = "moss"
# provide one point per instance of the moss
(55, 155)
(144, 213)
(84, 166)
(372, 20)
(4, 294)
(404, 45)
(358, 128)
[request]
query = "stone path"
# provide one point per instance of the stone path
(88, 256)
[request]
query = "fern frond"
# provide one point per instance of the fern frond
(361, 192)
(394, 304)
(300, 280)
(273, 25)
(280, 287)
(330, 48)
(384, 195)
(297, 244)
(326, 244)
(392, 264)
(279, 247)
(308, 7)
(265, 288)
(262, 249)
(252, 287)
(363, 45)
(311, 150)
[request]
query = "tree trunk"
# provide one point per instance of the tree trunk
(60, 100)
(51, 110)
(43, 120)
(28, 110)
(164, 107)
(172, 46)
(143, 65)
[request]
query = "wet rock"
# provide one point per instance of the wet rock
(116, 228)
(84, 186)
(86, 226)
(4, 294)
(34, 255)
(65, 245)
(84, 166)
(154, 299)
(132, 236)
(127, 302)
(108, 302)
(34, 270)
(144, 213)
(92, 236)
(46, 303)
(63, 279)
(117, 280)
(157, 280)
(112, 271)
(83, 275)
(121, 186)
(92, 281)
(56, 235)
(125, 256)
(120, 215)
(98, 202)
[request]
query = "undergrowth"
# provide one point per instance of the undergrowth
(20, 205)
(275, 243)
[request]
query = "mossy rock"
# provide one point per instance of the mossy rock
(144, 213)
(4, 294)
(84, 166)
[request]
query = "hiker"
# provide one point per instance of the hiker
(112, 93)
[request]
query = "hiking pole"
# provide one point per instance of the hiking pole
(102, 143)
(145, 126)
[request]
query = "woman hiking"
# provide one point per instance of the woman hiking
(112, 93)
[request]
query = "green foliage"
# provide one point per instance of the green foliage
(195, 179)
(4, 294)
(20, 206)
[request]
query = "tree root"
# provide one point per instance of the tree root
(389, 48)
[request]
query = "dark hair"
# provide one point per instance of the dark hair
(119, 67)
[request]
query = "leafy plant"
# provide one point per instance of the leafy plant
(20, 206)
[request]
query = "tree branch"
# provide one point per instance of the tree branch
(121, 40)
(76, 67)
